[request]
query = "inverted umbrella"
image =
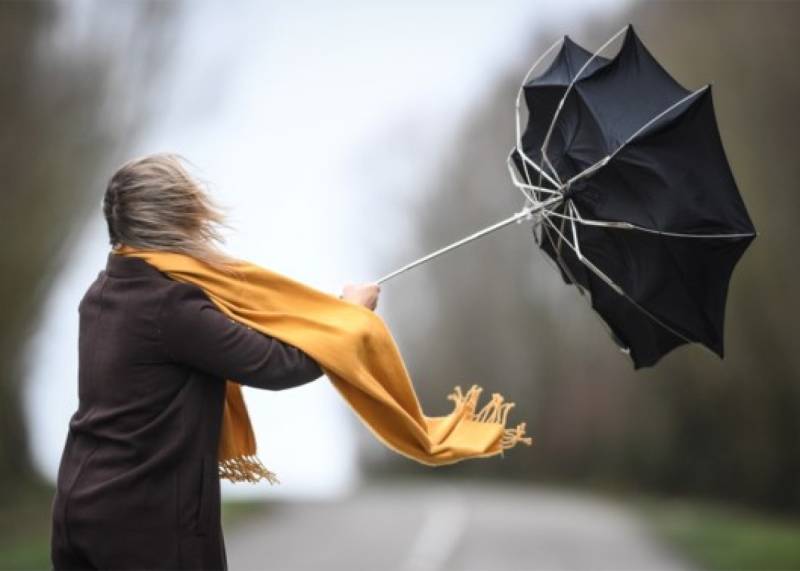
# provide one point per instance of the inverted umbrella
(624, 173)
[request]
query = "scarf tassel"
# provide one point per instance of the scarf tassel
(246, 468)
(495, 411)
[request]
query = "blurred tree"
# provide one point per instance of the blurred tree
(76, 88)
(496, 314)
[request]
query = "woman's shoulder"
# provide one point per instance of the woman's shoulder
(180, 297)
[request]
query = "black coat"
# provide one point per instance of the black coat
(138, 484)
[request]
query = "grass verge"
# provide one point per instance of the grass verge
(722, 537)
(25, 528)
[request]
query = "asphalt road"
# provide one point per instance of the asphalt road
(435, 527)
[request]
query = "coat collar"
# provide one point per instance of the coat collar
(121, 266)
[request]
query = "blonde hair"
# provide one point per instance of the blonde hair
(154, 203)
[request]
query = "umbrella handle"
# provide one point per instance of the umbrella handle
(524, 213)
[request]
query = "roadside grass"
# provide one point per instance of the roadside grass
(25, 528)
(723, 537)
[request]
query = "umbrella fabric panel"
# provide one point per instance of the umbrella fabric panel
(541, 103)
(565, 66)
(576, 141)
(542, 97)
(675, 288)
(572, 270)
(628, 91)
(704, 270)
(674, 177)
(645, 340)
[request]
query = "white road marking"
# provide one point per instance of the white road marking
(444, 525)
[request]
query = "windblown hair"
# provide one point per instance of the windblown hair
(154, 203)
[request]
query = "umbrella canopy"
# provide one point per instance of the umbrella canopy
(637, 203)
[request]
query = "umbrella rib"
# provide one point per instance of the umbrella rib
(527, 160)
(571, 207)
(581, 291)
(660, 115)
(522, 86)
(546, 141)
(521, 185)
(529, 199)
(518, 123)
(629, 226)
(588, 263)
(547, 163)
(560, 240)
(560, 259)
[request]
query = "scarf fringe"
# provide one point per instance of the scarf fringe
(246, 468)
(495, 411)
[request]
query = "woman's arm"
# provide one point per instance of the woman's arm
(196, 333)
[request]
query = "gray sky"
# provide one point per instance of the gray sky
(281, 105)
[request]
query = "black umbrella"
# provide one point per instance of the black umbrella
(651, 223)
(625, 173)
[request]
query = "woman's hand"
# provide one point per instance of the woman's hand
(362, 294)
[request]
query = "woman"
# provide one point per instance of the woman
(138, 486)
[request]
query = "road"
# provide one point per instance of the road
(438, 527)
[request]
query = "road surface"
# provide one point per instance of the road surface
(438, 527)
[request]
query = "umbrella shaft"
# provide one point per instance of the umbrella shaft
(472, 237)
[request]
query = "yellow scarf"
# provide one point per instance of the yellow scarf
(356, 351)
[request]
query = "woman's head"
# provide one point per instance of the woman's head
(153, 203)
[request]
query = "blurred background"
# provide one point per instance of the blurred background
(361, 135)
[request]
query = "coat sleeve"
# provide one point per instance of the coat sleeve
(197, 334)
